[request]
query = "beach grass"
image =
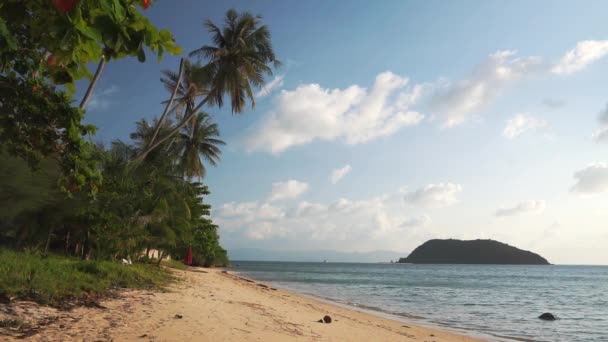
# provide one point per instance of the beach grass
(55, 280)
(174, 264)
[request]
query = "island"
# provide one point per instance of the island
(453, 251)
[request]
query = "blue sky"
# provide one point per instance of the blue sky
(469, 119)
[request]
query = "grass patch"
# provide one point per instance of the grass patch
(174, 264)
(54, 279)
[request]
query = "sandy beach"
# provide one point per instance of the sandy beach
(212, 305)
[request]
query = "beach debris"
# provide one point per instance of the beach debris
(327, 319)
(547, 316)
(143, 336)
(178, 316)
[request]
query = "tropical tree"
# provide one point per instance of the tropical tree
(241, 57)
(44, 44)
(198, 141)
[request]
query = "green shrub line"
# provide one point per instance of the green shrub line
(55, 280)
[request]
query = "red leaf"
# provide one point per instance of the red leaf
(146, 4)
(66, 5)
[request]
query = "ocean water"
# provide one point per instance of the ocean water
(500, 302)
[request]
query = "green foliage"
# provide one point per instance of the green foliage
(37, 121)
(45, 43)
(55, 279)
(42, 39)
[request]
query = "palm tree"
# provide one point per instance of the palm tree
(196, 142)
(239, 58)
(191, 86)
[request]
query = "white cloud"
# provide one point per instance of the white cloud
(585, 53)
(249, 211)
(102, 99)
(522, 207)
(415, 221)
(345, 220)
(592, 179)
(601, 134)
(456, 102)
(354, 115)
(520, 123)
(309, 209)
(276, 83)
(287, 190)
(434, 195)
(338, 174)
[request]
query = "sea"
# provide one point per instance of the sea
(494, 302)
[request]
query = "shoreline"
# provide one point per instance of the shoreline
(379, 312)
(216, 305)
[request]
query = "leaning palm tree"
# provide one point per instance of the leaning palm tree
(191, 86)
(240, 58)
(196, 142)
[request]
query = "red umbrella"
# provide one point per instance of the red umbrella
(188, 258)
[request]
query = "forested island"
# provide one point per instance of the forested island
(453, 251)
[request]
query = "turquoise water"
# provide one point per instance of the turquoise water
(499, 301)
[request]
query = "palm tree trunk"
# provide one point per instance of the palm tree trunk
(89, 93)
(175, 130)
(162, 117)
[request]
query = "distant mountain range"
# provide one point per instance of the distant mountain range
(255, 254)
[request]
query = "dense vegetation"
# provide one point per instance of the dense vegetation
(62, 194)
(471, 252)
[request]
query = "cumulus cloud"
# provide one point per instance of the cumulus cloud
(102, 99)
(251, 210)
(434, 195)
(355, 222)
(354, 115)
(338, 174)
(287, 190)
(520, 123)
(522, 207)
(276, 83)
(577, 59)
(457, 101)
(376, 218)
(592, 179)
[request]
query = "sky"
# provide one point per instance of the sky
(394, 122)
